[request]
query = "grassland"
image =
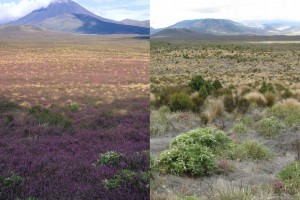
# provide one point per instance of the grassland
(74, 114)
(250, 91)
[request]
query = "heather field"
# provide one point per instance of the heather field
(74, 116)
(225, 119)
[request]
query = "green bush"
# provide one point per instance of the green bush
(198, 82)
(290, 175)
(110, 158)
(269, 126)
(266, 87)
(6, 105)
(203, 92)
(250, 149)
(10, 180)
(45, 116)
(124, 176)
(217, 85)
(193, 152)
(240, 128)
(181, 101)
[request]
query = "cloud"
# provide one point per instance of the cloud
(206, 10)
(12, 11)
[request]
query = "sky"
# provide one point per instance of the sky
(112, 9)
(167, 12)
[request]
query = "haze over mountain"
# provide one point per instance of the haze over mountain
(229, 27)
(68, 16)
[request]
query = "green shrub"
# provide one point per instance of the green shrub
(181, 102)
(74, 107)
(6, 105)
(217, 85)
(165, 94)
(229, 103)
(290, 175)
(198, 82)
(10, 180)
(269, 126)
(124, 176)
(45, 116)
(240, 128)
(250, 149)
(203, 92)
(193, 152)
(110, 158)
(266, 87)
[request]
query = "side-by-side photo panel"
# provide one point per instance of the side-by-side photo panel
(225, 99)
(74, 101)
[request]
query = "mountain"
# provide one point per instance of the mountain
(229, 27)
(68, 16)
(145, 23)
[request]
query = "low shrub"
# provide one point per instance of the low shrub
(270, 98)
(110, 158)
(181, 101)
(269, 126)
(6, 105)
(45, 116)
(250, 150)
(229, 103)
(266, 87)
(197, 82)
(239, 128)
(290, 175)
(193, 152)
(243, 105)
(287, 110)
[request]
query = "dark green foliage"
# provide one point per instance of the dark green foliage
(45, 116)
(193, 152)
(229, 103)
(198, 82)
(181, 101)
(203, 92)
(243, 105)
(10, 181)
(165, 94)
(266, 87)
(6, 105)
(217, 85)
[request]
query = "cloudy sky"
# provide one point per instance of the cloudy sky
(112, 9)
(168, 12)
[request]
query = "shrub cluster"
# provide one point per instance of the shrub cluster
(193, 152)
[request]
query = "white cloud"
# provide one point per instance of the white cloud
(121, 13)
(12, 11)
(168, 12)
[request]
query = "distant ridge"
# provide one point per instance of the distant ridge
(229, 27)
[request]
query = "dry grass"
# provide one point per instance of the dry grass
(257, 98)
(214, 109)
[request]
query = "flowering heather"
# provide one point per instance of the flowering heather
(49, 161)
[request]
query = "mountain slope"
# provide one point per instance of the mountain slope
(55, 9)
(68, 16)
(229, 27)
